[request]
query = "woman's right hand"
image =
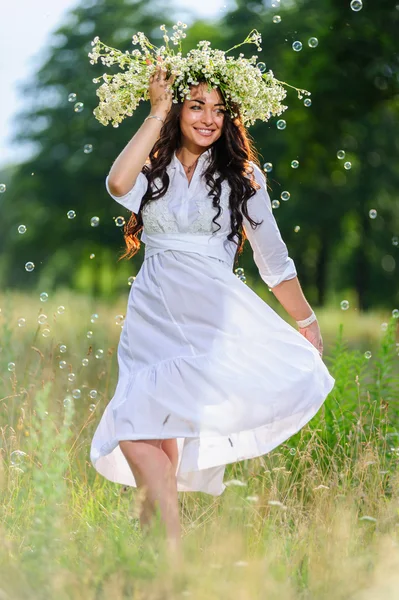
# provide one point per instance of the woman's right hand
(160, 90)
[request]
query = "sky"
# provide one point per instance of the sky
(25, 28)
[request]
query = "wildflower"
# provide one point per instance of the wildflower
(258, 95)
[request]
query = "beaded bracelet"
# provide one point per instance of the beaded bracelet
(308, 321)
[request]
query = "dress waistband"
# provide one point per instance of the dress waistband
(207, 245)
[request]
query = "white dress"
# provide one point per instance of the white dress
(202, 358)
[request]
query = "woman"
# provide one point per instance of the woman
(209, 374)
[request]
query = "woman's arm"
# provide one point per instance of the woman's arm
(271, 257)
(129, 163)
(290, 295)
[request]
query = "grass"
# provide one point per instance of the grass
(317, 518)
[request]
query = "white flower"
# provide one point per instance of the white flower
(258, 96)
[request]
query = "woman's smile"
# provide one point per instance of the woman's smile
(205, 132)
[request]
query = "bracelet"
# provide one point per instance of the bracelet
(308, 321)
(154, 117)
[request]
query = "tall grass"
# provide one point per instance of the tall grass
(317, 518)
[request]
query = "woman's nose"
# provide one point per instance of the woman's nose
(207, 117)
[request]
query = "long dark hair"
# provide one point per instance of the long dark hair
(230, 156)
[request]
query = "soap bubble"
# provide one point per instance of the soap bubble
(276, 19)
(42, 319)
(21, 229)
(344, 304)
(44, 297)
(275, 203)
(347, 165)
(297, 228)
(281, 124)
(71, 214)
(356, 5)
(11, 366)
(367, 354)
(341, 154)
(395, 313)
(99, 353)
(79, 106)
(285, 196)
(297, 46)
(21, 322)
(384, 326)
(93, 394)
(94, 318)
(373, 213)
(62, 364)
(313, 42)
(307, 102)
(268, 167)
(239, 271)
(87, 148)
(89, 334)
(92, 407)
(67, 401)
(295, 164)
(261, 66)
(94, 221)
(17, 457)
(29, 266)
(71, 377)
(72, 97)
(3, 188)
(395, 240)
(61, 310)
(46, 332)
(92, 255)
(131, 279)
(63, 348)
(85, 362)
(119, 319)
(119, 221)
(76, 393)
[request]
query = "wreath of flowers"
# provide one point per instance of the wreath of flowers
(243, 82)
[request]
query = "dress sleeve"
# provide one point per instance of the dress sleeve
(269, 250)
(132, 199)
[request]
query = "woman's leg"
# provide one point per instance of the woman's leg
(154, 471)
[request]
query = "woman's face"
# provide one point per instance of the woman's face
(201, 118)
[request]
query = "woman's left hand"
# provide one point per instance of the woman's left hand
(312, 333)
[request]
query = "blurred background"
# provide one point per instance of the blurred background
(341, 222)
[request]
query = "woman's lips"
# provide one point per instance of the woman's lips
(205, 132)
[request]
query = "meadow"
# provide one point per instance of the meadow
(317, 518)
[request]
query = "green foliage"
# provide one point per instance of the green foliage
(353, 77)
(324, 501)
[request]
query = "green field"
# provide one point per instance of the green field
(316, 518)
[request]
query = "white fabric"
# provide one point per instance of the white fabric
(201, 357)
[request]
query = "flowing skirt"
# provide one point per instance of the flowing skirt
(203, 359)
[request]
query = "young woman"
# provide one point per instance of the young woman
(209, 374)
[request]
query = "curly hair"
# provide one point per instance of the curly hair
(229, 160)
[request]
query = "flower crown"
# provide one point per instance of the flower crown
(244, 83)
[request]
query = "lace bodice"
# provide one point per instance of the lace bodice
(193, 215)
